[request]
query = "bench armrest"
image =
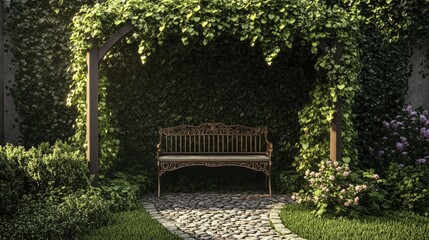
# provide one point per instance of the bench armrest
(269, 149)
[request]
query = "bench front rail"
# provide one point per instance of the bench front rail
(214, 145)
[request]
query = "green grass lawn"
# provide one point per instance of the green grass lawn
(136, 224)
(390, 226)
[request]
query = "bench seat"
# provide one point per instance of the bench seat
(214, 158)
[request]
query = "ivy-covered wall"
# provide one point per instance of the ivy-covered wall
(42, 51)
(226, 81)
(383, 80)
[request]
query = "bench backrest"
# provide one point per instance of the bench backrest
(213, 138)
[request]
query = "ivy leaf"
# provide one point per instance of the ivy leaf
(346, 160)
(341, 86)
(323, 63)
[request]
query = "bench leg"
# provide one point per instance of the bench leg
(159, 186)
(159, 181)
(269, 184)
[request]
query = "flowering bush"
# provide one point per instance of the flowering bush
(338, 190)
(402, 156)
(406, 140)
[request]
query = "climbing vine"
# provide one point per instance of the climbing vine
(272, 26)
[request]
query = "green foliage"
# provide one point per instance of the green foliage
(136, 224)
(405, 140)
(41, 51)
(287, 181)
(384, 85)
(56, 217)
(397, 19)
(272, 26)
(220, 82)
(402, 155)
(388, 226)
(56, 166)
(11, 184)
(408, 187)
(37, 170)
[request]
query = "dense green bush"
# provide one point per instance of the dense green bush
(57, 166)
(408, 187)
(37, 170)
(45, 193)
(11, 184)
(52, 216)
(46, 166)
(402, 156)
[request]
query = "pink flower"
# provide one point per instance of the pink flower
(346, 174)
(364, 187)
(346, 204)
(328, 163)
(318, 174)
(335, 164)
(358, 188)
(343, 190)
(339, 169)
(332, 178)
(356, 201)
(375, 176)
(307, 172)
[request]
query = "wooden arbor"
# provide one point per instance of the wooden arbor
(95, 54)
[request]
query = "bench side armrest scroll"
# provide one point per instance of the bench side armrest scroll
(269, 145)
(158, 146)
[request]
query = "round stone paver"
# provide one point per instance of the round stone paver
(216, 215)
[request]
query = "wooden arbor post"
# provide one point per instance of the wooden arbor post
(335, 148)
(335, 151)
(94, 55)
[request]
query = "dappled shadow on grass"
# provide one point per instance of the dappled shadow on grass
(389, 226)
(130, 225)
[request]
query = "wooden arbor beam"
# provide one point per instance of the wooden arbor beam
(335, 146)
(94, 55)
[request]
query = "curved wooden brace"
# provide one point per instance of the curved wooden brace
(124, 30)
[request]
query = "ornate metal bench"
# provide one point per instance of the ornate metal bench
(214, 145)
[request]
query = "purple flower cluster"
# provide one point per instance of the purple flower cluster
(424, 132)
(421, 161)
(406, 139)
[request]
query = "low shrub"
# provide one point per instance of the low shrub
(11, 184)
(51, 216)
(402, 157)
(45, 193)
(122, 189)
(387, 226)
(335, 189)
(408, 187)
(57, 166)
